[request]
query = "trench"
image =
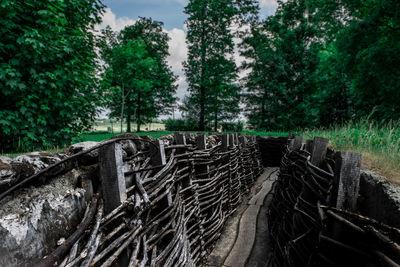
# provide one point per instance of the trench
(195, 200)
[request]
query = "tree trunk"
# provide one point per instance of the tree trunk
(262, 119)
(202, 107)
(215, 120)
(122, 106)
(202, 78)
(128, 123)
(138, 113)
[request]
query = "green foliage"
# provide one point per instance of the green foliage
(140, 83)
(47, 71)
(316, 63)
(180, 125)
(283, 58)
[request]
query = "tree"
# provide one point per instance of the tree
(210, 69)
(265, 82)
(137, 70)
(319, 62)
(283, 57)
(369, 53)
(47, 71)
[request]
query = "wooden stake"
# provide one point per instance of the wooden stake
(319, 148)
(347, 180)
(296, 142)
(111, 176)
(225, 142)
(201, 142)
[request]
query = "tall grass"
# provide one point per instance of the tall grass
(379, 143)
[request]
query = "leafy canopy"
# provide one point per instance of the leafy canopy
(48, 87)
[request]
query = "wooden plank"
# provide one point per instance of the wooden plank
(111, 176)
(309, 145)
(225, 142)
(158, 154)
(231, 140)
(201, 141)
(347, 180)
(199, 169)
(180, 139)
(296, 142)
(242, 140)
(319, 148)
(236, 139)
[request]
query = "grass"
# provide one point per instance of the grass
(260, 133)
(100, 136)
(379, 144)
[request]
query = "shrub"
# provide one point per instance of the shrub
(232, 126)
(181, 125)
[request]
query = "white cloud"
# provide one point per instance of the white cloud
(177, 49)
(117, 24)
(178, 54)
(269, 4)
(182, 2)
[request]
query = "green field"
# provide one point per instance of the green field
(100, 136)
(106, 124)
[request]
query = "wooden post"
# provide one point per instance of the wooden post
(319, 148)
(225, 142)
(236, 139)
(180, 139)
(201, 141)
(111, 176)
(296, 142)
(231, 140)
(200, 169)
(347, 180)
(309, 145)
(242, 140)
(158, 154)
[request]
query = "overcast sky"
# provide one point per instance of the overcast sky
(120, 13)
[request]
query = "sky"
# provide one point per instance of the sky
(120, 13)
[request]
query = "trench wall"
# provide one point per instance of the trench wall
(162, 202)
(325, 211)
(379, 199)
(175, 198)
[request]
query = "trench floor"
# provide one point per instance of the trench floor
(244, 239)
